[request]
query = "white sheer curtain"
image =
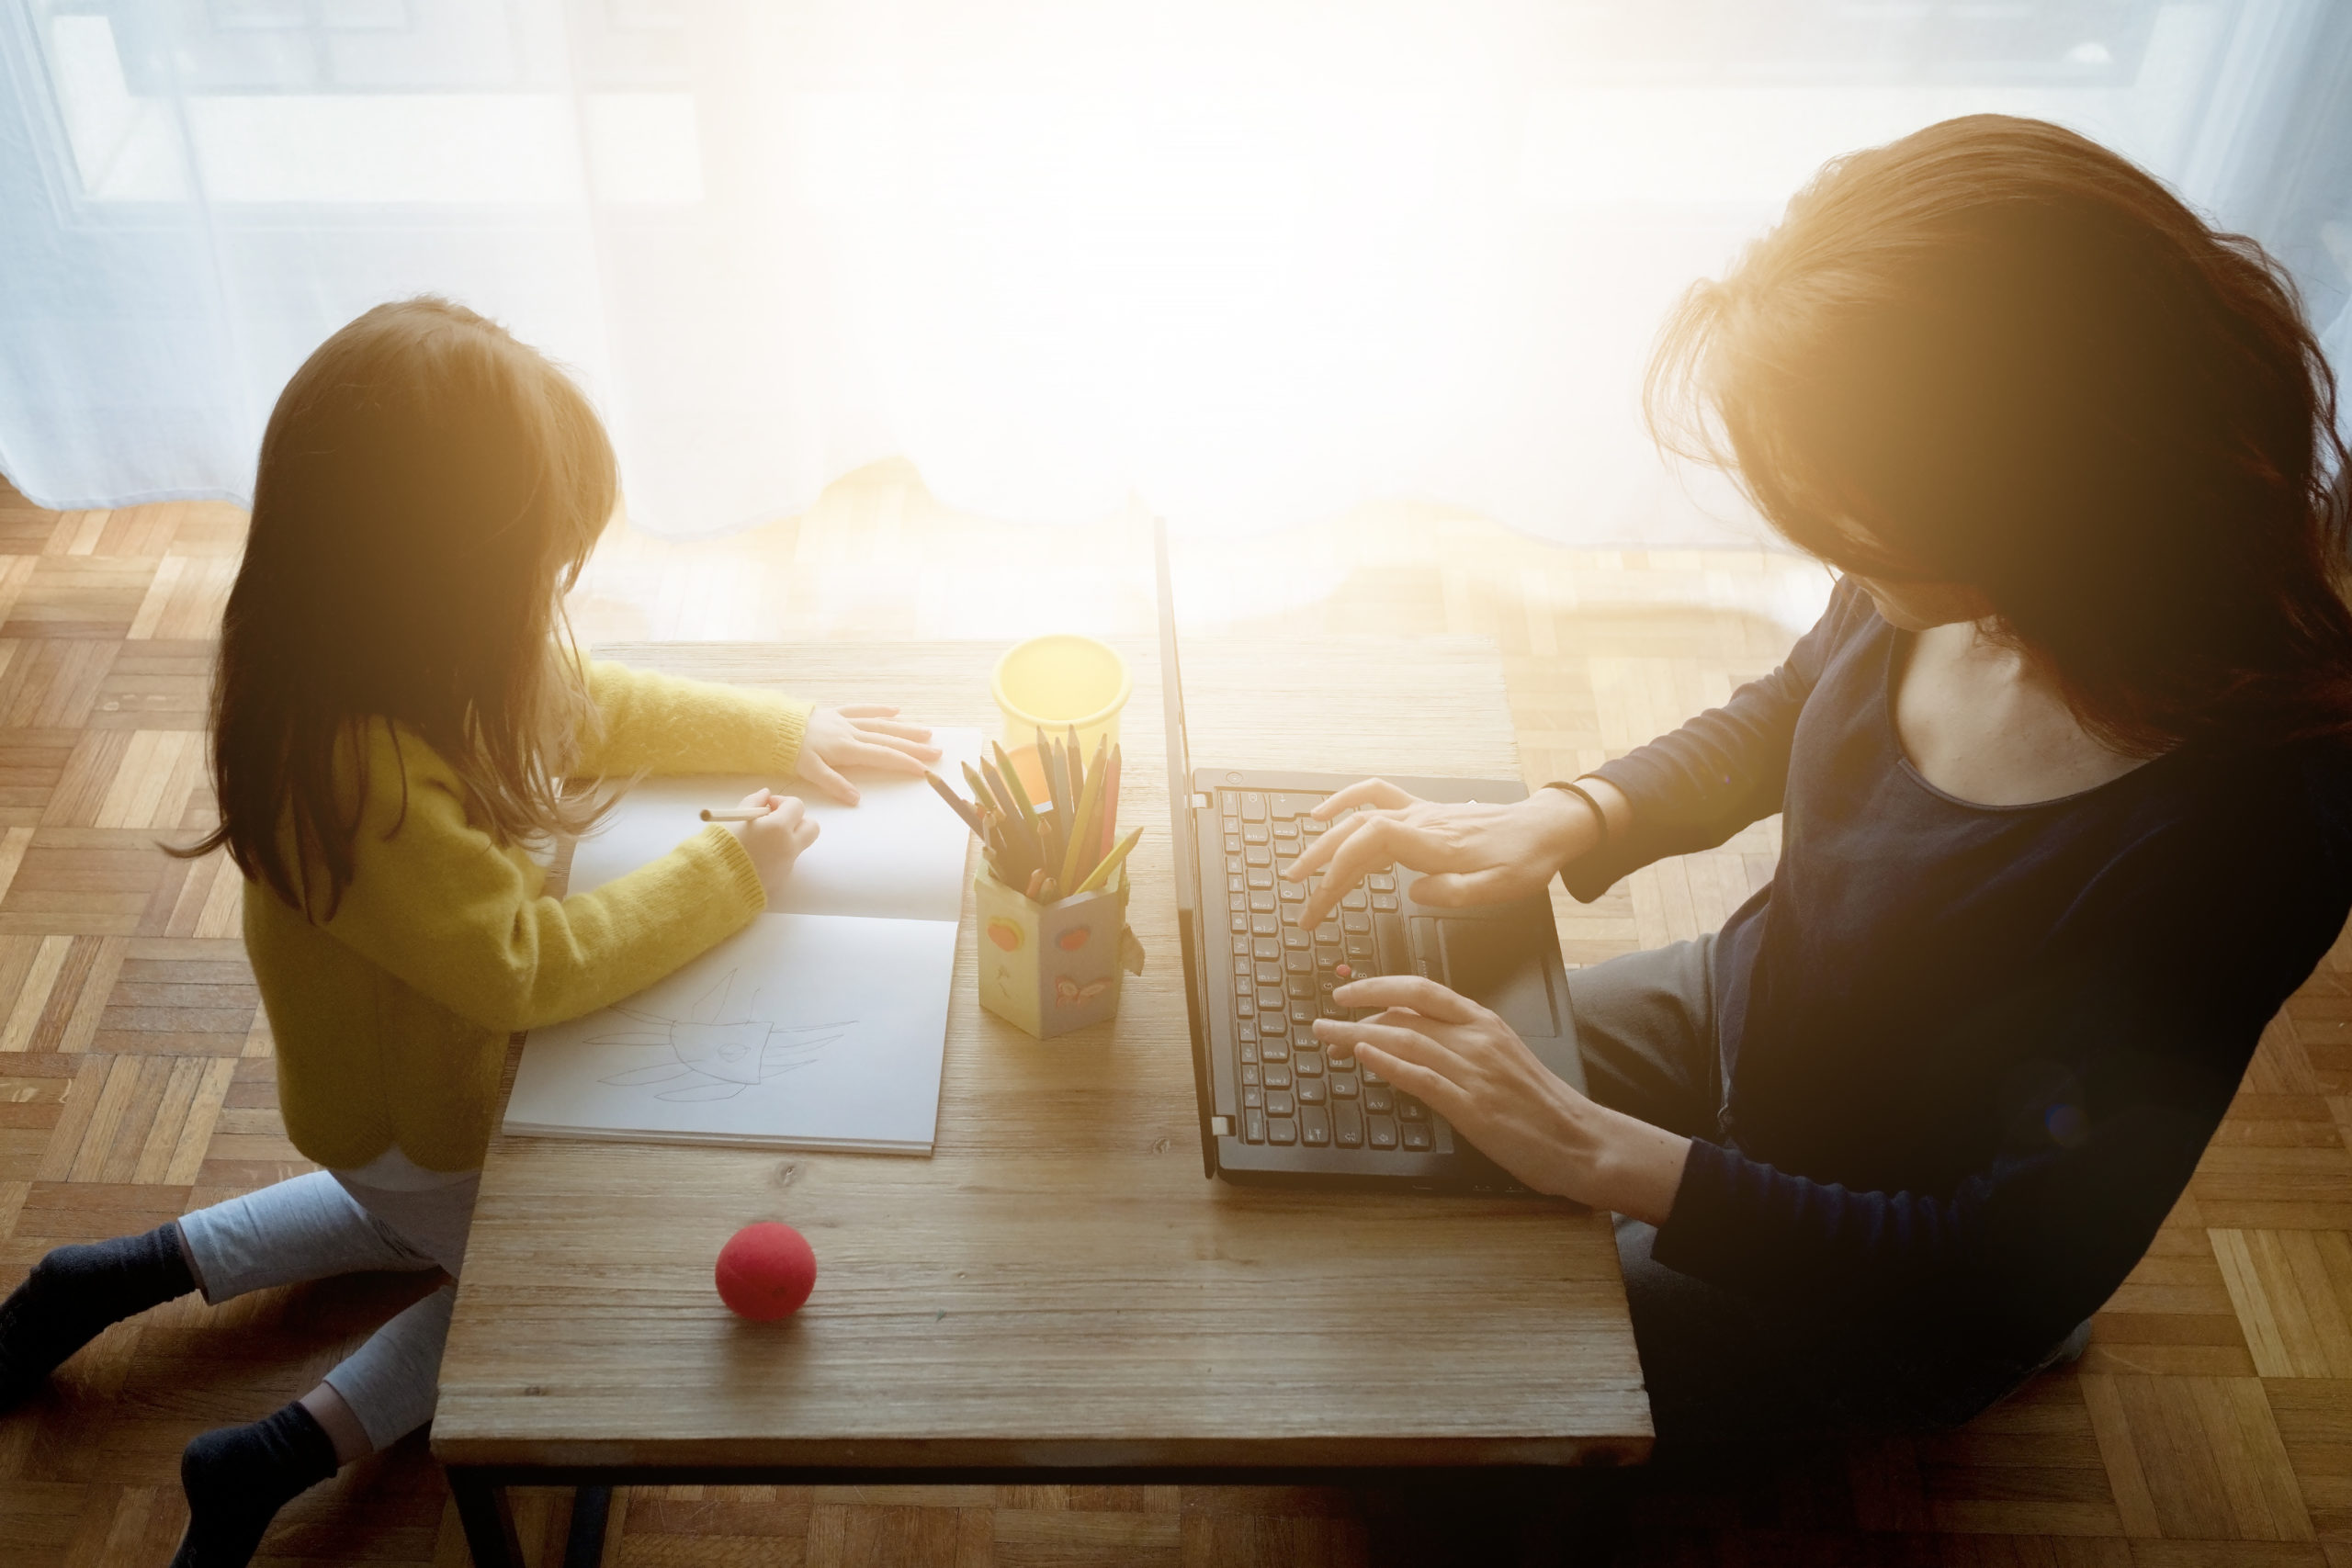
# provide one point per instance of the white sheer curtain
(1251, 261)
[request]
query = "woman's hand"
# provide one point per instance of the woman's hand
(1472, 1069)
(863, 735)
(774, 841)
(1469, 855)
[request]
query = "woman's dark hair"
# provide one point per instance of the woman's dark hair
(428, 488)
(1996, 353)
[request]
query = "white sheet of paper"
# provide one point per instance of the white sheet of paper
(898, 854)
(802, 1030)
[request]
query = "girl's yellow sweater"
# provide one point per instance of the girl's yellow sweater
(391, 1019)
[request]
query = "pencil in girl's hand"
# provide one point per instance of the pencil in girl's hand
(734, 813)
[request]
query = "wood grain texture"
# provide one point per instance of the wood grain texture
(2085, 1468)
(1058, 1284)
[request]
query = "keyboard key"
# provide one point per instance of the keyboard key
(1240, 945)
(1260, 878)
(1280, 1102)
(1386, 903)
(1343, 1085)
(1269, 973)
(1281, 1130)
(1240, 921)
(1295, 803)
(1253, 806)
(1261, 903)
(1299, 986)
(1267, 947)
(1353, 899)
(1411, 1109)
(1315, 1127)
(1389, 929)
(1274, 1051)
(1255, 835)
(1380, 1132)
(1253, 1126)
(1352, 922)
(1327, 954)
(1378, 1098)
(1232, 844)
(1262, 857)
(1236, 900)
(1417, 1137)
(1370, 1079)
(1302, 1014)
(1276, 1076)
(1253, 1095)
(1360, 950)
(1286, 835)
(1309, 1062)
(1270, 996)
(1264, 925)
(1245, 1006)
(1229, 801)
(1346, 1124)
(1273, 1026)
(1248, 1050)
(1248, 1073)
(1308, 828)
(1312, 1092)
(1381, 882)
(1246, 1034)
(1299, 963)
(1293, 937)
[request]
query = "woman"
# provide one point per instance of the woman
(2063, 778)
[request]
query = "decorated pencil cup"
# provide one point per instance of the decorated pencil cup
(1050, 968)
(1055, 684)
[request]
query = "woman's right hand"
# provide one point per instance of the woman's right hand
(1467, 855)
(775, 840)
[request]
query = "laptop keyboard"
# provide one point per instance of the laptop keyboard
(1293, 1092)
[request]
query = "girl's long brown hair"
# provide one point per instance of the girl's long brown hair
(1995, 352)
(428, 488)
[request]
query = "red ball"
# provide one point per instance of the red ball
(766, 1270)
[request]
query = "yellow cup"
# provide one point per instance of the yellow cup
(1059, 682)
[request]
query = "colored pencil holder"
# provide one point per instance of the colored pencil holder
(1050, 968)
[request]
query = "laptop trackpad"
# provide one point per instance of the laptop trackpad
(1503, 965)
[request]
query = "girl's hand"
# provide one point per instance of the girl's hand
(774, 841)
(863, 735)
(1473, 854)
(1473, 1069)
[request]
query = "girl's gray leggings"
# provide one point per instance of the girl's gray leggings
(323, 1224)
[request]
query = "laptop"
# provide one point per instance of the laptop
(1274, 1108)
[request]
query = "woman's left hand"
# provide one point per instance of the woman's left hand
(1466, 1064)
(863, 735)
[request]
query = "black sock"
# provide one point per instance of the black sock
(75, 1292)
(237, 1478)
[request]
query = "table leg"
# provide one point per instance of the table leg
(489, 1522)
(584, 1545)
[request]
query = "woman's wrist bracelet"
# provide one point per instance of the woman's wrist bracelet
(1584, 795)
(1587, 796)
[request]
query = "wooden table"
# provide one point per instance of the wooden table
(1058, 1289)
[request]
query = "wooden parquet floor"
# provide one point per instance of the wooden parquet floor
(2211, 1422)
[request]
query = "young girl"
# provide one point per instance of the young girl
(395, 715)
(2066, 803)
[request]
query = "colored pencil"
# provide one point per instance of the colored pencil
(1110, 863)
(1080, 856)
(1011, 777)
(1110, 828)
(956, 801)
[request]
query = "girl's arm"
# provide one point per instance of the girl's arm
(435, 902)
(652, 723)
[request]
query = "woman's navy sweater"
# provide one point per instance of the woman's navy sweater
(1972, 1053)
